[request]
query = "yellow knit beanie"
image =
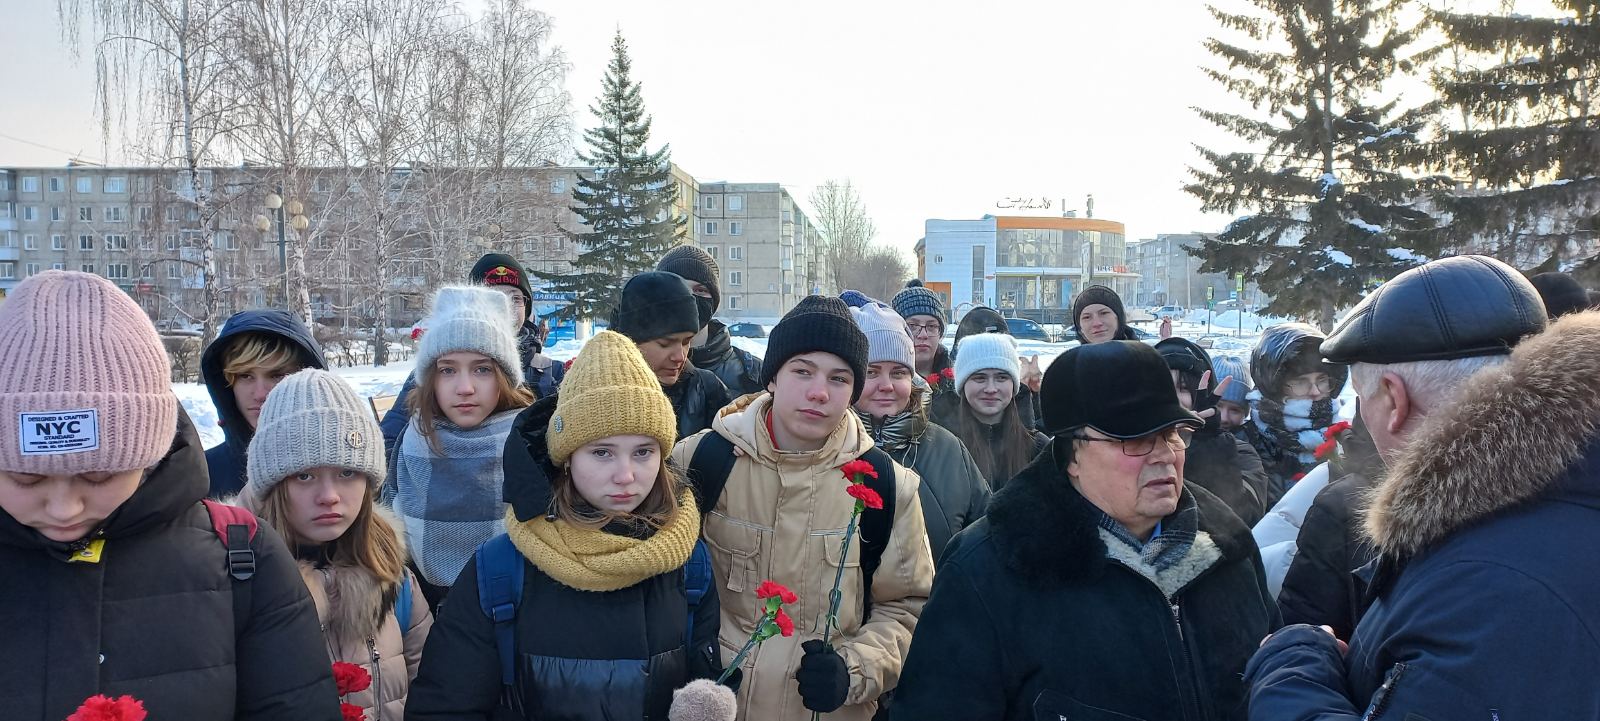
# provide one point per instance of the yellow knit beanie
(609, 391)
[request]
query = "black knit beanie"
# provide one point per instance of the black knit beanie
(981, 319)
(691, 262)
(502, 269)
(655, 304)
(1561, 293)
(817, 323)
(1099, 294)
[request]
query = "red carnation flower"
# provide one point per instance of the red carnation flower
(1336, 429)
(785, 624)
(351, 712)
(416, 333)
(932, 379)
(350, 678)
(857, 467)
(103, 708)
(568, 364)
(771, 589)
(1324, 448)
(948, 374)
(864, 493)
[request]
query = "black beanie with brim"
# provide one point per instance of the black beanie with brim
(817, 323)
(1101, 295)
(500, 269)
(654, 305)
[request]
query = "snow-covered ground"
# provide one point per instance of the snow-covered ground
(372, 381)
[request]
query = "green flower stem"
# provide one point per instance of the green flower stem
(834, 596)
(755, 639)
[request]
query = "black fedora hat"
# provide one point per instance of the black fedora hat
(1120, 388)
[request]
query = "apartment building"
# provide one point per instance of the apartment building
(769, 251)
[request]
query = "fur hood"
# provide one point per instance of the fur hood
(1050, 534)
(1514, 433)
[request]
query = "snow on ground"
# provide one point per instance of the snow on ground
(373, 381)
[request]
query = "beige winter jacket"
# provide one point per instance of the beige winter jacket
(782, 517)
(388, 655)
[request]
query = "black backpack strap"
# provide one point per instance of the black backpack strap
(709, 468)
(876, 524)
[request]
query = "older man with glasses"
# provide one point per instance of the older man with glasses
(1099, 584)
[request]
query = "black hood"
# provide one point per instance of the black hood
(718, 345)
(235, 429)
(1288, 350)
(528, 468)
(169, 489)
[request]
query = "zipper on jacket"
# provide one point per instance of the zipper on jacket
(377, 678)
(1188, 660)
(1380, 700)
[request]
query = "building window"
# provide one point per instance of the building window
(733, 302)
(58, 266)
(87, 267)
(8, 240)
(735, 228)
(172, 213)
(33, 269)
(142, 184)
(58, 242)
(30, 184)
(788, 216)
(736, 278)
(114, 214)
(715, 251)
(559, 185)
(85, 242)
(8, 270)
(711, 228)
(194, 213)
(174, 271)
(30, 242)
(144, 214)
(736, 202)
(117, 271)
(85, 185)
(172, 241)
(30, 213)
(144, 242)
(711, 202)
(116, 185)
(86, 214)
(116, 242)
(938, 259)
(57, 213)
(225, 241)
(58, 184)
(735, 252)
(977, 275)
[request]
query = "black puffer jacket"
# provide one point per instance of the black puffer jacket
(1227, 466)
(953, 492)
(696, 398)
(1032, 618)
(738, 370)
(154, 616)
(226, 462)
(581, 655)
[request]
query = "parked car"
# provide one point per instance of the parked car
(1024, 329)
(1174, 312)
(747, 330)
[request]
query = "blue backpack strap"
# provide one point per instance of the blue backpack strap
(499, 567)
(696, 584)
(402, 602)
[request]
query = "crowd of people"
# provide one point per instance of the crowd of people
(1136, 531)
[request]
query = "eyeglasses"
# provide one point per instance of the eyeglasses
(1178, 439)
(917, 329)
(1322, 383)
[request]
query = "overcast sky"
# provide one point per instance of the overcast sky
(934, 110)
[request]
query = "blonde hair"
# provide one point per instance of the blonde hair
(259, 350)
(658, 509)
(370, 543)
(424, 404)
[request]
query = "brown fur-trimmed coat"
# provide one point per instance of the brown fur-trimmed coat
(1486, 528)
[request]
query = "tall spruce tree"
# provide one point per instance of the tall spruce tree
(627, 204)
(1328, 199)
(1529, 137)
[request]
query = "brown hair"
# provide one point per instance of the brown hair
(370, 542)
(259, 350)
(1017, 446)
(658, 510)
(424, 406)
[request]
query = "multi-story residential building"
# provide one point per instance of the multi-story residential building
(769, 252)
(1025, 266)
(1170, 275)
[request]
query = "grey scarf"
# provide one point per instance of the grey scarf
(452, 501)
(1178, 532)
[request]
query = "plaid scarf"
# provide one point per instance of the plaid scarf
(1295, 427)
(1177, 535)
(452, 501)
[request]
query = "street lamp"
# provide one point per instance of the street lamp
(275, 202)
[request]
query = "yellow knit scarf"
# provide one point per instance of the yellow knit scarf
(593, 560)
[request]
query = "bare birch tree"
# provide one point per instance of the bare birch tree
(847, 230)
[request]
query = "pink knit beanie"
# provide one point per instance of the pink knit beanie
(85, 385)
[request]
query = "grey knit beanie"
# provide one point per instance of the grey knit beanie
(474, 319)
(1229, 367)
(886, 335)
(314, 419)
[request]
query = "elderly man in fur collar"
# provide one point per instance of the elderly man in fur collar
(1483, 591)
(1099, 585)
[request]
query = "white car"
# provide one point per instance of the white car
(1169, 311)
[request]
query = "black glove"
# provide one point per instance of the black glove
(824, 679)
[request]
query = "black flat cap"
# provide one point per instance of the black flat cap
(1459, 307)
(1121, 388)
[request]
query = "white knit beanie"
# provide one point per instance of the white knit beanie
(474, 319)
(886, 335)
(987, 351)
(310, 420)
